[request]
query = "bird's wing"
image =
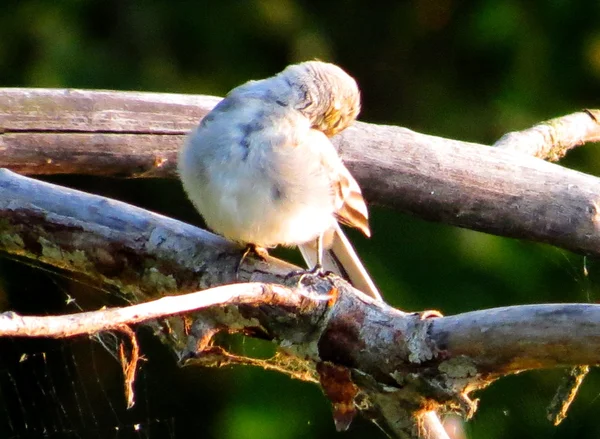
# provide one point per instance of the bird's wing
(350, 207)
(353, 210)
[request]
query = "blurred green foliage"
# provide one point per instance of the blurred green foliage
(470, 70)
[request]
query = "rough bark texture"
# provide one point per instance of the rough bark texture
(46, 131)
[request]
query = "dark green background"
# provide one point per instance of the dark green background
(469, 70)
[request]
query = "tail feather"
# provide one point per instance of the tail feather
(341, 259)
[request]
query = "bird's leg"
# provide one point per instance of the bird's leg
(318, 267)
(260, 252)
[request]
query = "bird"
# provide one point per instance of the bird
(261, 170)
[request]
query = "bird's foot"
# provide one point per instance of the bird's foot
(317, 270)
(429, 314)
(260, 253)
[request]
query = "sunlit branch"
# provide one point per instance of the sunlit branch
(92, 322)
(552, 139)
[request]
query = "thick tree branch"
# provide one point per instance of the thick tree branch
(506, 340)
(464, 184)
(142, 254)
(51, 131)
(476, 187)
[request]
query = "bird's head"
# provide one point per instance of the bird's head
(325, 94)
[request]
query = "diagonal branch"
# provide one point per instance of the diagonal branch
(437, 361)
(141, 254)
(477, 187)
(92, 322)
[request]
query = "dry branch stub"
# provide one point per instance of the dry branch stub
(552, 139)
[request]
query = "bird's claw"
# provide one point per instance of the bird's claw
(431, 313)
(260, 252)
(317, 270)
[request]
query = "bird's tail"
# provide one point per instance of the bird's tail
(341, 259)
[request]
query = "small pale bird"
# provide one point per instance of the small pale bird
(261, 169)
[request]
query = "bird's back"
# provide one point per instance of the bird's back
(252, 169)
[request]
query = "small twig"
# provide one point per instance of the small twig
(119, 319)
(129, 366)
(14, 325)
(565, 394)
(552, 139)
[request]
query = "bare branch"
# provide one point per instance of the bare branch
(140, 253)
(92, 322)
(507, 340)
(130, 134)
(565, 394)
(552, 139)
(476, 187)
